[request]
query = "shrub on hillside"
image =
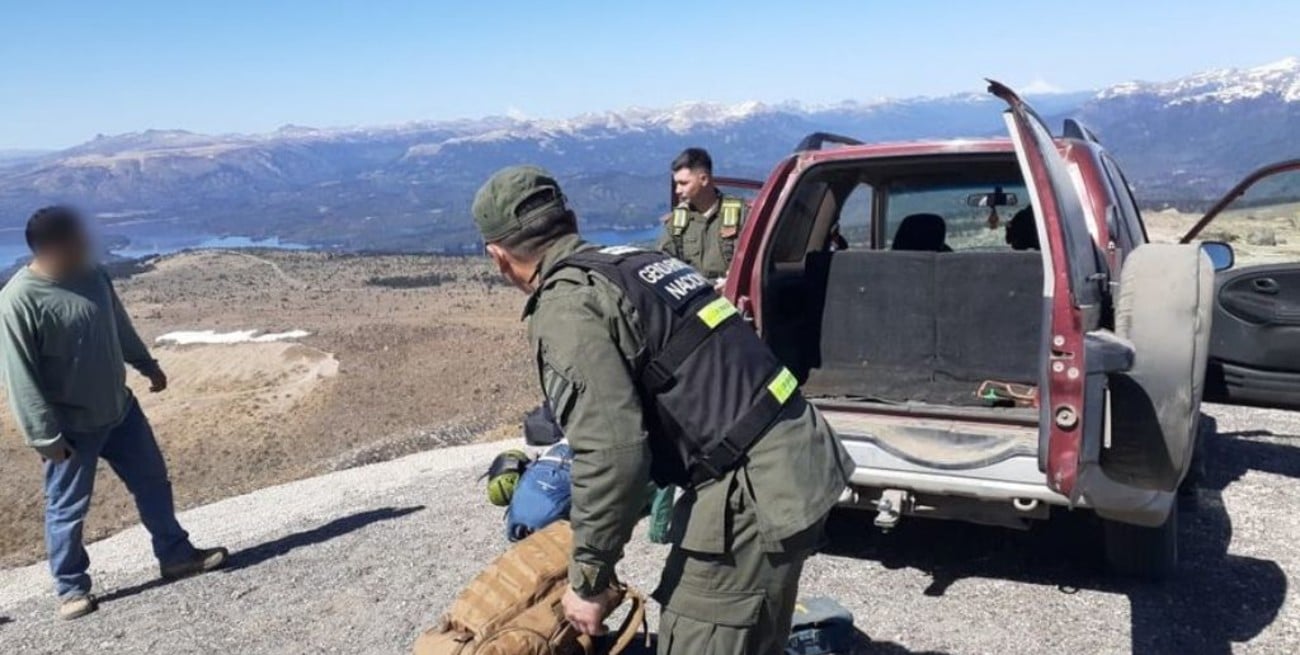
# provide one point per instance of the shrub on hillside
(411, 281)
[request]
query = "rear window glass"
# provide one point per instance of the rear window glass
(855, 217)
(975, 216)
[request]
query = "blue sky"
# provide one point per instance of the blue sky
(69, 70)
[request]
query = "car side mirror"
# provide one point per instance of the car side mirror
(1220, 254)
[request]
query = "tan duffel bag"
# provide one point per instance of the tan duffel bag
(513, 606)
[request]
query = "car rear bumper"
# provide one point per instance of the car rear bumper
(1014, 484)
(1014, 478)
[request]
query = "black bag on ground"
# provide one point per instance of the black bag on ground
(820, 626)
(540, 428)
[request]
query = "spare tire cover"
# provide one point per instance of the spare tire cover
(1165, 309)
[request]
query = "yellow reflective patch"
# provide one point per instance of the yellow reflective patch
(716, 312)
(731, 208)
(680, 218)
(783, 386)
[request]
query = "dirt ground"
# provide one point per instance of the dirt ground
(1258, 235)
(405, 353)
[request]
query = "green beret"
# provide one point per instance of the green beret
(514, 197)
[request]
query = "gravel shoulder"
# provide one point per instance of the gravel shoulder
(358, 561)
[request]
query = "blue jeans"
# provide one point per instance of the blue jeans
(133, 453)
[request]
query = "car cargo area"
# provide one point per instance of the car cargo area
(899, 335)
(923, 327)
(897, 343)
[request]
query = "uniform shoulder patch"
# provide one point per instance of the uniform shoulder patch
(560, 393)
(680, 218)
(732, 209)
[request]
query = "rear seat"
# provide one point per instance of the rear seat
(925, 326)
(989, 315)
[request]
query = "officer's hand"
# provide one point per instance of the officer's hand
(588, 614)
(157, 380)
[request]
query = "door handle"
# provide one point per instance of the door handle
(1266, 285)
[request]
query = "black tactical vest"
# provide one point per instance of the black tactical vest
(710, 387)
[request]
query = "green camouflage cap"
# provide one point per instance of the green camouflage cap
(514, 197)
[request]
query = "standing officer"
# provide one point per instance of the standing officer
(652, 375)
(702, 229)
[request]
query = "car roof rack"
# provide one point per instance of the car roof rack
(816, 140)
(1077, 130)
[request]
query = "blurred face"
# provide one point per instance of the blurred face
(692, 185)
(67, 256)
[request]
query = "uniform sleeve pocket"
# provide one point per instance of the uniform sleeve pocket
(736, 609)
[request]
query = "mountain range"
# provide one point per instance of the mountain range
(409, 186)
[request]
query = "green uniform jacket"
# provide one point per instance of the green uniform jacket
(589, 346)
(702, 243)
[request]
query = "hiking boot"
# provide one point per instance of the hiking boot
(75, 607)
(203, 560)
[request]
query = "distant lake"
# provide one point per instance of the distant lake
(608, 237)
(147, 237)
(151, 237)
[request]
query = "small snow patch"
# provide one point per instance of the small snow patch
(239, 336)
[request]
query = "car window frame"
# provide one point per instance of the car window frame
(1126, 201)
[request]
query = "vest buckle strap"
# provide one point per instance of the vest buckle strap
(727, 453)
(723, 456)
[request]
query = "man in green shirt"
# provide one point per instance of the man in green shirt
(65, 340)
(703, 228)
(652, 375)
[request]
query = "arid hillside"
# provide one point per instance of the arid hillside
(1259, 235)
(404, 353)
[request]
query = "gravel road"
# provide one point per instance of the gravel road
(359, 561)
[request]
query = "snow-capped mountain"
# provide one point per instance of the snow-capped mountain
(1280, 80)
(1197, 135)
(410, 185)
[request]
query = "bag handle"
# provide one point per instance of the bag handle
(563, 628)
(634, 622)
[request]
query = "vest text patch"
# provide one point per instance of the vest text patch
(674, 281)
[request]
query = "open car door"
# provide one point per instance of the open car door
(1254, 356)
(1070, 288)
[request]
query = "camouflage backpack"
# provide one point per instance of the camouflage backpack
(513, 606)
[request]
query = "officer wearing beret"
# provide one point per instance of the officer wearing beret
(652, 375)
(702, 230)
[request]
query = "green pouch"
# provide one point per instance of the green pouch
(661, 514)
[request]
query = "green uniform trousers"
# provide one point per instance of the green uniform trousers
(736, 603)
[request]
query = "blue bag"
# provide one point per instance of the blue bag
(820, 626)
(543, 495)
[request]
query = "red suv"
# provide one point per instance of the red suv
(990, 332)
